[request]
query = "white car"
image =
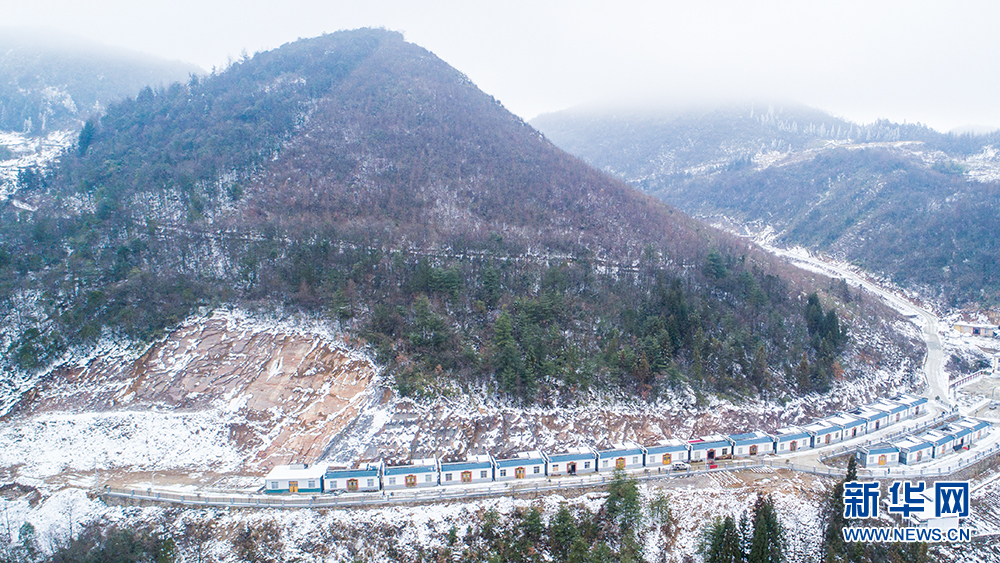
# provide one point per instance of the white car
(679, 466)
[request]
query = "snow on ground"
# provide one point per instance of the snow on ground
(29, 151)
(50, 444)
(368, 534)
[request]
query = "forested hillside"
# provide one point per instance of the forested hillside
(357, 177)
(49, 83)
(900, 200)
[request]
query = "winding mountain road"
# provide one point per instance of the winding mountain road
(937, 379)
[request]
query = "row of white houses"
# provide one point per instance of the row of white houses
(585, 459)
(922, 448)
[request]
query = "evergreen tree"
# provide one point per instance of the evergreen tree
(767, 542)
(563, 533)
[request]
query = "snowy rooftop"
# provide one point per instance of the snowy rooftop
(298, 471)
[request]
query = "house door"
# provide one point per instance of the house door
(411, 481)
(827, 439)
(466, 476)
(519, 473)
(352, 484)
(293, 486)
(620, 463)
(881, 459)
(854, 432)
(666, 459)
(753, 450)
(711, 455)
(920, 455)
(571, 468)
(794, 446)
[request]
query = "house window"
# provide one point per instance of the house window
(274, 484)
(312, 484)
(482, 474)
(447, 476)
(371, 483)
(392, 480)
(586, 465)
(427, 478)
(536, 469)
(333, 484)
(605, 463)
(555, 467)
(503, 472)
(635, 459)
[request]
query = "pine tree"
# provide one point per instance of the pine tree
(767, 543)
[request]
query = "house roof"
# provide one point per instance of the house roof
(912, 444)
(351, 473)
(875, 449)
(869, 414)
(821, 428)
(296, 472)
(666, 446)
(845, 420)
(938, 438)
(516, 461)
(790, 433)
(408, 469)
(465, 465)
(628, 448)
(708, 442)
(578, 453)
(750, 438)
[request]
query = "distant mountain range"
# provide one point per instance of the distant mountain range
(359, 178)
(49, 82)
(901, 200)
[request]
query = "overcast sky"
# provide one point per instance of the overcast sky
(932, 62)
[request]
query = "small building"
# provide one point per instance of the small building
(417, 473)
(358, 479)
(878, 455)
(666, 452)
(710, 448)
(875, 419)
(941, 441)
(296, 478)
(976, 329)
(896, 411)
(824, 432)
(752, 444)
(791, 439)
(977, 428)
(852, 425)
(628, 455)
(524, 465)
(574, 461)
(913, 450)
(915, 405)
(959, 434)
(475, 469)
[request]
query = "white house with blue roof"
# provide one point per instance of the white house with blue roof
(752, 444)
(915, 405)
(977, 428)
(362, 478)
(626, 456)
(852, 425)
(824, 432)
(415, 474)
(524, 465)
(296, 478)
(791, 439)
(878, 455)
(914, 450)
(574, 461)
(474, 469)
(665, 452)
(896, 411)
(960, 435)
(710, 448)
(875, 419)
(942, 442)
